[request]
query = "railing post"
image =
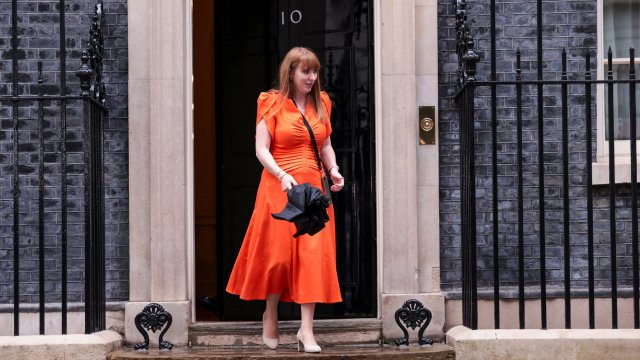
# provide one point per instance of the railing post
(521, 298)
(634, 188)
(63, 169)
(588, 161)
(16, 173)
(92, 89)
(612, 192)
(467, 59)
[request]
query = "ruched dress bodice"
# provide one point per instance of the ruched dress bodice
(290, 142)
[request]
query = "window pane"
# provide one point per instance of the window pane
(621, 101)
(621, 26)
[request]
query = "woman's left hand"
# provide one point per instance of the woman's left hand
(337, 179)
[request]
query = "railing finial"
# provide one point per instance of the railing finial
(90, 71)
(467, 57)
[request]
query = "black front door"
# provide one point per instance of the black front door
(251, 39)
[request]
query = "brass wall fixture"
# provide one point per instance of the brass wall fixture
(427, 125)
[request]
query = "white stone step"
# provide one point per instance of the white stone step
(339, 332)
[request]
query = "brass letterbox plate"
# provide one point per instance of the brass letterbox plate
(427, 125)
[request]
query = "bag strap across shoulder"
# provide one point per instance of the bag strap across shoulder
(313, 138)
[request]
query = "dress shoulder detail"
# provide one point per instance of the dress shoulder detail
(267, 103)
(326, 103)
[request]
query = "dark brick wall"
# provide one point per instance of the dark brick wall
(566, 24)
(38, 23)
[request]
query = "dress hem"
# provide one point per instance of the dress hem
(288, 300)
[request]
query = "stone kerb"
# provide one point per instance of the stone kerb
(561, 344)
(55, 347)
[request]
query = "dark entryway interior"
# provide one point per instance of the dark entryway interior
(251, 37)
(204, 129)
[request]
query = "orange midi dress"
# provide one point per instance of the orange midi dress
(271, 260)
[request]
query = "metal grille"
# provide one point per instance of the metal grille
(532, 200)
(61, 159)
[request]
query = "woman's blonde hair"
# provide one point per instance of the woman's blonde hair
(307, 60)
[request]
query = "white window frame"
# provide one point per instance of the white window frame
(622, 148)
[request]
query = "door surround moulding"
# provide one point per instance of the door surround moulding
(160, 159)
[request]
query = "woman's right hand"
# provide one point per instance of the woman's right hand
(287, 182)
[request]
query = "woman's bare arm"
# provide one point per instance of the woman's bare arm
(328, 156)
(263, 143)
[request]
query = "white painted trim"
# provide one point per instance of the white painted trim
(622, 149)
(600, 171)
(377, 70)
(190, 208)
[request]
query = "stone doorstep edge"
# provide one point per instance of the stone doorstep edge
(555, 343)
(437, 352)
(77, 346)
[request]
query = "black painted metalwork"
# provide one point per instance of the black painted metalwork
(85, 72)
(153, 317)
(521, 301)
(92, 89)
(467, 59)
(588, 160)
(16, 179)
(634, 189)
(467, 84)
(93, 117)
(612, 194)
(63, 165)
(95, 48)
(565, 193)
(494, 172)
(541, 186)
(41, 197)
(413, 314)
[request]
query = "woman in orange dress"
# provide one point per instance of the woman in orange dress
(272, 264)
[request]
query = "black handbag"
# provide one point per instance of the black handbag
(324, 177)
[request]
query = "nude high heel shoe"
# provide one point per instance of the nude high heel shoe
(307, 348)
(271, 343)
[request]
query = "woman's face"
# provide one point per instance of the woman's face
(303, 79)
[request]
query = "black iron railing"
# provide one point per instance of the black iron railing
(467, 60)
(91, 100)
(581, 85)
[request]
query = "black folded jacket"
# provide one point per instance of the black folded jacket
(306, 208)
